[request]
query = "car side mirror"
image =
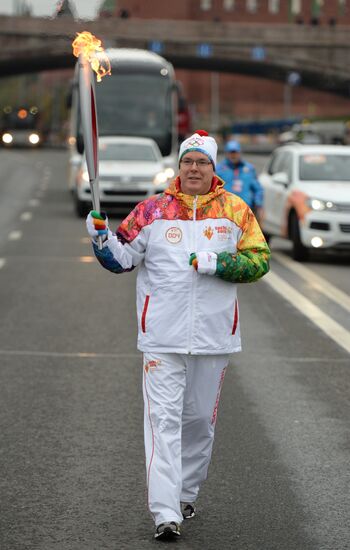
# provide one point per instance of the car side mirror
(281, 178)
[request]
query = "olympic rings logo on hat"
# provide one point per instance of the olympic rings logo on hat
(196, 142)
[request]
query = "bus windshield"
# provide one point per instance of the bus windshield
(136, 105)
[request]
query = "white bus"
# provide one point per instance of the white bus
(139, 99)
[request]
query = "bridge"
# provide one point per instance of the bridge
(320, 54)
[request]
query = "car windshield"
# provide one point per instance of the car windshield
(324, 167)
(128, 152)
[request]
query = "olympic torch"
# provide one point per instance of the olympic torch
(92, 59)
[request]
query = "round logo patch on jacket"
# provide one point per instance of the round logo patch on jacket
(173, 235)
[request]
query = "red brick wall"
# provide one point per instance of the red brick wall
(244, 97)
(191, 9)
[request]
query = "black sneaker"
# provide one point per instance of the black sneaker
(188, 510)
(167, 530)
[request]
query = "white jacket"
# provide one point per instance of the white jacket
(178, 309)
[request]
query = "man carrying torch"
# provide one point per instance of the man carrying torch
(192, 244)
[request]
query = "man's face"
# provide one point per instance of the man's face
(195, 178)
(234, 156)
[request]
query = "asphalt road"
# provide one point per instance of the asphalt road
(72, 473)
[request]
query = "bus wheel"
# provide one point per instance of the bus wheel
(299, 252)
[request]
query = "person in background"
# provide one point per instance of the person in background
(193, 244)
(240, 178)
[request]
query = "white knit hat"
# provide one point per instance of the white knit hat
(200, 141)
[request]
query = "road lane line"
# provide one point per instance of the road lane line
(87, 355)
(34, 202)
(290, 359)
(26, 216)
(15, 235)
(79, 355)
(315, 281)
(333, 329)
(2, 262)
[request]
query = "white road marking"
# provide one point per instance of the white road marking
(84, 355)
(59, 259)
(315, 281)
(34, 202)
(333, 329)
(26, 216)
(79, 355)
(15, 235)
(2, 262)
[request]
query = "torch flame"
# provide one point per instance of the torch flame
(90, 47)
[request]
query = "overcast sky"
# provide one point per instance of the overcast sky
(86, 9)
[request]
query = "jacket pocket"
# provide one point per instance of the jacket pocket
(235, 318)
(144, 313)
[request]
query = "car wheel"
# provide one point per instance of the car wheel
(81, 207)
(299, 252)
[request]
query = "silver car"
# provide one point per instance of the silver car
(130, 170)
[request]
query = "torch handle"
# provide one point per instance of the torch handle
(90, 129)
(96, 206)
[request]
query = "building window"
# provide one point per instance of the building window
(341, 7)
(316, 7)
(295, 7)
(252, 5)
(229, 5)
(205, 5)
(274, 6)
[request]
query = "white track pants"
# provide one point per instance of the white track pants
(181, 395)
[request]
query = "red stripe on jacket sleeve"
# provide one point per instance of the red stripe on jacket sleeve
(144, 313)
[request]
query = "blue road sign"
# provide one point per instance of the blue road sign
(204, 50)
(258, 53)
(156, 46)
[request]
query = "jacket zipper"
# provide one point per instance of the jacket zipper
(194, 275)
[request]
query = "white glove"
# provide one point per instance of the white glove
(97, 225)
(204, 262)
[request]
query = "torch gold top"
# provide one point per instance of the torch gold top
(90, 47)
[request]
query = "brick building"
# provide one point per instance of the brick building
(234, 96)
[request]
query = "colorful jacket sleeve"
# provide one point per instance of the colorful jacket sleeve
(124, 250)
(251, 261)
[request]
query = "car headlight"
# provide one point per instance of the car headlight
(85, 176)
(82, 177)
(34, 139)
(7, 138)
(317, 204)
(170, 173)
(160, 178)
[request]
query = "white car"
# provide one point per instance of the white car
(130, 170)
(307, 197)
